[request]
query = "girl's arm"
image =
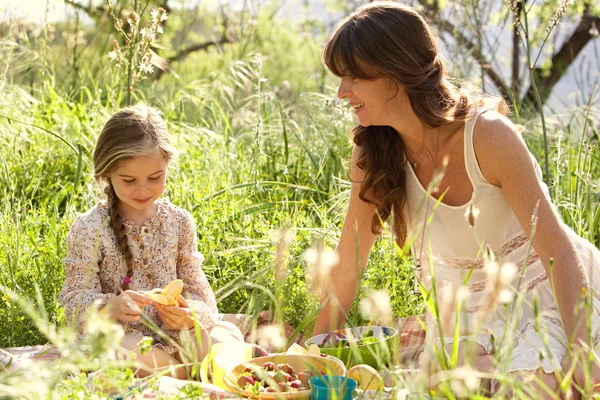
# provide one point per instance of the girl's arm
(196, 289)
(506, 162)
(342, 284)
(82, 287)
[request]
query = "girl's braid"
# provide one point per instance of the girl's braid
(119, 229)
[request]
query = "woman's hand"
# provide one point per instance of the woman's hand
(176, 318)
(127, 306)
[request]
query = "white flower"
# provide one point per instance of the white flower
(492, 268)
(164, 16)
(376, 306)
(271, 337)
(505, 297)
(112, 55)
(462, 293)
(321, 259)
(402, 394)
(319, 262)
(507, 272)
(145, 67)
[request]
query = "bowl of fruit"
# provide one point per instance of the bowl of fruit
(371, 345)
(280, 376)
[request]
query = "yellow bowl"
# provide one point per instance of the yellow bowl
(330, 365)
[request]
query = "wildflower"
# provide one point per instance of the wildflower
(492, 268)
(116, 55)
(463, 380)
(133, 19)
(323, 259)
(270, 337)
(154, 15)
(320, 261)
(507, 272)
(145, 67)
(560, 12)
(505, 296)
(402, 394)
(376, 307)
(447, 301)
(471, 215)
(462, 293)
(281, 254)
(127, 280)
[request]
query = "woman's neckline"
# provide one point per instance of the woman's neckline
(430, 196)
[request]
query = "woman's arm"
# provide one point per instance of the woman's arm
(506, 162)
(343, 279)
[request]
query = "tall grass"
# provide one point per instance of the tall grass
(263, 146)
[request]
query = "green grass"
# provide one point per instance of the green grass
(262, 146)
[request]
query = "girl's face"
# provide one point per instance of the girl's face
(139, 182)
(375, 102)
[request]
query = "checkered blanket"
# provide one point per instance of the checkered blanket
(412, 339)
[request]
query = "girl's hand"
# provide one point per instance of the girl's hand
(177, 317)
(127, 306)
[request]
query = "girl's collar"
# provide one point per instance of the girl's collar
(161, 211)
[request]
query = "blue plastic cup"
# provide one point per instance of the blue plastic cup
(324, 387)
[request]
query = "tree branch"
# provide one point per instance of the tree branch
(196, 47)
(447, 26)
(562, 60)
(516, 52)
(94, 12)
(166, 63)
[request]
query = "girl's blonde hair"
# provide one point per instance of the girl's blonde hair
(131, 132)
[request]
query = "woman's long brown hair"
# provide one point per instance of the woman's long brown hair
(385, 39)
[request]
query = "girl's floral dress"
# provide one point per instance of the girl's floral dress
(164, 248)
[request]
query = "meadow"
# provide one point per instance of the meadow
(263, 165)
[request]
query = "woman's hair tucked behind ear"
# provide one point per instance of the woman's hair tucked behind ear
(131, 132)
(386, 39)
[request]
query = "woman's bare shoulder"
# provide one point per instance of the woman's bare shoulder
(499, 146)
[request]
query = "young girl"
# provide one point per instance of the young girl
(136, 241)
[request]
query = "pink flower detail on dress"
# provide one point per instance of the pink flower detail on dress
(126, 279)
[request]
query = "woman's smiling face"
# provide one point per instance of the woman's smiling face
(375, 101)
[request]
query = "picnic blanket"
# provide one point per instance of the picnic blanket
(412, 339)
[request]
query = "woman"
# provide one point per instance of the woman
(413, 123)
